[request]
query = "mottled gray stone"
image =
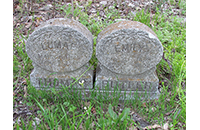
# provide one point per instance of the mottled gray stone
(128, 47)
(147, 81)
(128, 52)
(62, 47)
(41, 78)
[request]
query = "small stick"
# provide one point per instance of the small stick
(32, 5)
(72, 8)
(54, 14)
(150, 12)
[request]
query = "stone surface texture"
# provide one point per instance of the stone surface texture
(41, 78)
(60, 45)
(108, 80)
(128, 52)
(60, 49)
(128, 47)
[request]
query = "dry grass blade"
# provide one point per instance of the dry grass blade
(25, 91)
(168, 62)
(156, 126)
(72, 2)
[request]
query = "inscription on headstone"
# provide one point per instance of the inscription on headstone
(128, 52)
(60, 49)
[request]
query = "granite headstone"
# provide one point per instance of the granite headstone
(128, 52)
(60, 49)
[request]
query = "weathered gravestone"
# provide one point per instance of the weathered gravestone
(60, 49)
(128, 52)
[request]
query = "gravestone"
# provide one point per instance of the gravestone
(128, 52)
(60, 49)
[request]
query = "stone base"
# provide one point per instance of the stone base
(41, 78)
(127, 95)
(78, 94)
(143, 83)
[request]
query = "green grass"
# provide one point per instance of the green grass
(65, 109)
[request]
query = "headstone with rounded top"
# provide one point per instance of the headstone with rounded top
(128, 52)
(60, 50)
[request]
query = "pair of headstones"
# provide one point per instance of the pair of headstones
(127, 51)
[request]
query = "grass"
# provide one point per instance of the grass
(64, 109)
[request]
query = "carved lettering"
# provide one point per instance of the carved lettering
(128, 85)
(44, 46)
(57, 44)
(132, 48)
(118, 48)
(125, 48)
(51, 82)
(51, 40)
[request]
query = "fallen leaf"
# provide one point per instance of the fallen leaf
(93, 110)
(144, 104)
(168, 113)
(132, 113)
(46, 8)
(92, 124)
(38, 19)
(17, 24)
(165, 126)
(153, 109)
(169, 119)
(137, 8)
(17, 8)
(81, 126)
(152, 127)
(141, 5)
(24, 82)
(59, 127)
(28, 24)
(132, 127)
(152, 23)
(18, 120)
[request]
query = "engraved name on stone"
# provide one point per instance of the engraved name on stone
(136, 50)
(51, 82)
(59, 48)
(128, 52)
(128, 85)
(62, 47)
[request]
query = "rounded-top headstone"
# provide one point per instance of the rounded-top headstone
(60, 45)
(128, 47)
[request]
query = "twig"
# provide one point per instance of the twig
(54, 14)
(168, 62)
(32, 5)
(72, 8)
